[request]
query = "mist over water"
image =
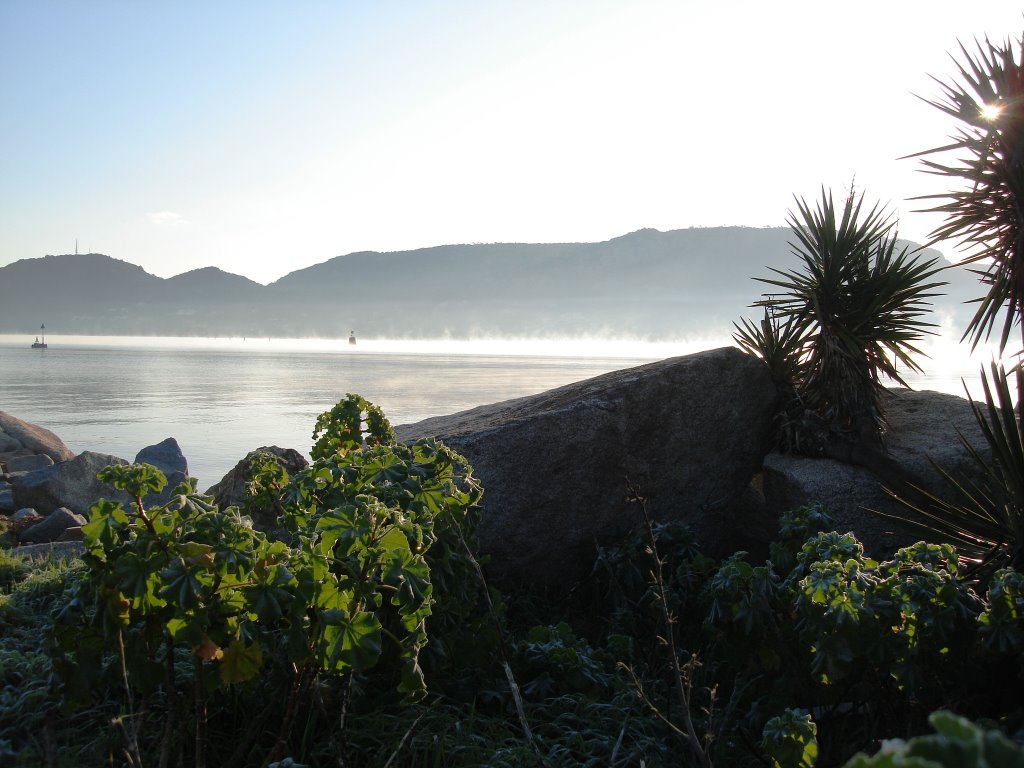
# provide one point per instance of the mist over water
(221, 398)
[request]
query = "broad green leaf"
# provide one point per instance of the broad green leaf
(349, 641)
(241, 662)
(181, 588)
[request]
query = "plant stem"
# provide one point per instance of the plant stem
(245, 744)
(670, 638)
(172, 705)
(405, 738)
(300, 680)
(131, 744)
(516, 697)
(200, 704)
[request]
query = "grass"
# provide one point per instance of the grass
(30, 593)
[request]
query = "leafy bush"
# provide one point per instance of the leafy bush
(876, 643)
(353, 589)
(790, 740)
(957, 743)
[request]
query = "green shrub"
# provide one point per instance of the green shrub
(188, 582)
(790, 740)
(957, 743)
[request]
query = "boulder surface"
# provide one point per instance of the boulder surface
(52, 527)
(28, 463)
(168, 458)
(230, 491)
(33, 438)
(687, 433)
(70, 484)
(923, 427)
(165, 456)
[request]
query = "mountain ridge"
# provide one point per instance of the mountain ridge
(646, 283)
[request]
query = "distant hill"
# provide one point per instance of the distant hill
(687, 282)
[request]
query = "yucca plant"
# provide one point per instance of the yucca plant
(849, 316)
(780, 343)
(984, 212)
(984, 215)
(986, 521)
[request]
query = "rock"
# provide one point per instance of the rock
(230, 491)
(7, 443)
(70, 484)
(7, 500)
(688, 433)
(26, 516)
(165, 456)
(168, 458)
(923, 427)
(6, 457)
(73, 533)
(52, 526)
(35, 438)
(29, 463)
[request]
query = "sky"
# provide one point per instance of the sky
(262, 137)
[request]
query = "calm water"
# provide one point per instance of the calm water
(220, 398)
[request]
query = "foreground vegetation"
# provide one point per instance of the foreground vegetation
(185, 637)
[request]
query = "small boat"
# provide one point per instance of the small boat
(37, 344)
(351, 337)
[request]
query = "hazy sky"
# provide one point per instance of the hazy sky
(261, 137)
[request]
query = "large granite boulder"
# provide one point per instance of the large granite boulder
(8, 445)
(6, 497)
(70, 484)
(923, 427)
(31, 438)
(52, 527)
(168, 458)
(687, 433)
(28, 463)
(230, 491)
(165, 456)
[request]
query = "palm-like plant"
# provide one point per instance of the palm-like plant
(986, 522)
(848, 317)
(986, 215)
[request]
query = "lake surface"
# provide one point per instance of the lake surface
(221, 398)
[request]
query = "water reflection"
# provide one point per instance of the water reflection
(222, 398)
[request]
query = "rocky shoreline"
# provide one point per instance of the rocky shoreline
(688, 434)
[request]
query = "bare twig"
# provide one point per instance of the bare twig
(131, 744)
(301, 678)
(170, 723)
(199, 693)
(517, 698)
(680, 676)
(408, 733)
(618, 742)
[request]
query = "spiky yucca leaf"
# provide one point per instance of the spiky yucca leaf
(986, 523)
(856, 307)
(777, 342)
(986, 214)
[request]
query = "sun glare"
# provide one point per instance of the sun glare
(991, 112)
